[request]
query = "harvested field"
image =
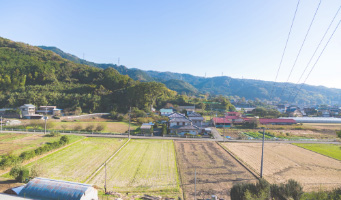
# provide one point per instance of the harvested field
(217, 171)
(112, 127)
(285, 161)
(15, 143)
(78, 161)
(142, 166)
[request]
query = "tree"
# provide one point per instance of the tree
(78, 111)
(338, 133)
(64, 139)
(164, 129)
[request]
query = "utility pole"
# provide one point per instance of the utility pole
(224, 130)
(105, 181)
(129, 122)
(261, 164)
(195, 183)
(1, 124)
(45, 119)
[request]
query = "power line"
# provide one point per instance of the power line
(299, 52)
(285, 47)
(318, 46)
(317, 60)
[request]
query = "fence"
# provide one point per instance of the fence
(99, 133)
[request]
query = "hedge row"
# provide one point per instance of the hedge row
(11, 160)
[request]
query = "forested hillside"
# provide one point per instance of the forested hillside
(30, 74)
(227, 86)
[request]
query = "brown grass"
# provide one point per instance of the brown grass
(285, 161)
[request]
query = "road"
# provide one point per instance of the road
(217, 139)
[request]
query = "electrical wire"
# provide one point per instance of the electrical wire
(299, 52)
(317, 60)
(285, 47)
(311, 58)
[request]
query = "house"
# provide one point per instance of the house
(50, 110)
(9, 113)
(43, 188)
(189, 109)
(187, 129)
(282, 108)
(176, 115)
(196, 119)
(220, 122)
(179, 121)
(166, 112)
(28, 111)
(296, 113)
(146, 128)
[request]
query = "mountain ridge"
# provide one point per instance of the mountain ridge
(224, 85)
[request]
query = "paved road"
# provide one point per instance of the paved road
(194, 139)
(216, 134)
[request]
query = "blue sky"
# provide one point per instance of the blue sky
(239, 38)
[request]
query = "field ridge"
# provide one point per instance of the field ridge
(100, 167)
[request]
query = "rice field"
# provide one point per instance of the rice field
(142, 166)
(330, 150)
(78, 161)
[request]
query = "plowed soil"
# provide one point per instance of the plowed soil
(285, 161)
(216, 170)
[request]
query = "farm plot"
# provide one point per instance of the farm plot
(78, 161)
(142, 166)
(14, 143)
(331, 150)
(285, 161)
(216, 170)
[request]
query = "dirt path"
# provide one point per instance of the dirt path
(216, 170)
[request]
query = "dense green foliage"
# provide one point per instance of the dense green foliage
(11, 160)
(323, 195)
(223, 85)
(262, 190)
(20, 173)
(32, 75)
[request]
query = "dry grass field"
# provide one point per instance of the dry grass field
(78, 161)
(15, 143)
(285, 161)
(142, 166)
(217, 171)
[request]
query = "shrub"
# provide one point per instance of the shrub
(100, 127)
(120, 118)
(36, 171)
(250, 191)
(90, 127)
(338, 133)
(64, 140)
(53, 134)
(8, 160)
(26, 155)
(78, 128)
(21, 174)
(164, 129)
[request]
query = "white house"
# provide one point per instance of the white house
(196, 118)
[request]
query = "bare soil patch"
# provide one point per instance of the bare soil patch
(285, 161)
(216, 170)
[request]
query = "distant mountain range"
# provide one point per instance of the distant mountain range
(222, 85)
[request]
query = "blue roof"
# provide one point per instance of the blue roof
(48, 189)
(166, 110)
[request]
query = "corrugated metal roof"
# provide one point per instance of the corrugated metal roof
(49, 189)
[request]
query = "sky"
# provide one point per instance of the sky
(236, 38)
